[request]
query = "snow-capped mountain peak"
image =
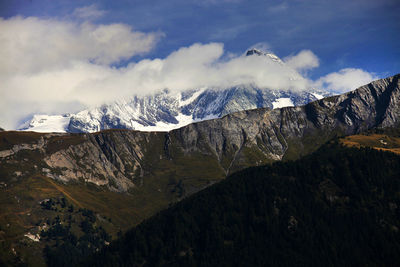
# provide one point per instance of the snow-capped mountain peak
(255, 51)
(167, 110)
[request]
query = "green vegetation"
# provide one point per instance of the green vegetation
(23, 211)
(336, 207)
(73, 234)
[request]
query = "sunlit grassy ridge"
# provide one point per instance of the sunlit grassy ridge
(383, 142)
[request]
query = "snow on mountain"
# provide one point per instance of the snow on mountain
(258, 52)
(47, 123)
(282, 102)
(169, 110)
(166, 111)
(318, 96)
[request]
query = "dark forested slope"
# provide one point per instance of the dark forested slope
(338, 206)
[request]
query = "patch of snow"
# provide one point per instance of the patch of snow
(274, 57)
(48, 123)
(185, 102)
(208, 117)
(317, 96)
(282, 102)
(160, 126)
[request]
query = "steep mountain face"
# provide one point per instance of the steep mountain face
(165, 111)
(293, 131)
(168, 110)
(214, 148)
(154, 169)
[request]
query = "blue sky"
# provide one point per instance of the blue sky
(353, 40)
(357, 33)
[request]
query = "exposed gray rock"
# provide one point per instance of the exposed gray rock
(273, 132)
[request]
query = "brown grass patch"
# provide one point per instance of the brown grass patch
(376, 141)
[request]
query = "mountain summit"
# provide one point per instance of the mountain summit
(258, 52)
(166, 110)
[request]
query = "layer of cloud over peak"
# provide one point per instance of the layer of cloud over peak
(54, 66)
(304, 60)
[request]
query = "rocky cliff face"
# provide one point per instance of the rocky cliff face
(271, 133)
(199, 153)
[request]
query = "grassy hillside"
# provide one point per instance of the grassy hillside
(337, 207)
(384, 142)
(24, 186)
(21, 212)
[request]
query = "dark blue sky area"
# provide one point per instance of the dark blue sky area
(353, 33)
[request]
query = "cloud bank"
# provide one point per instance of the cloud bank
(345, 79)
(31, 45)
(54, 66)
(304, 60)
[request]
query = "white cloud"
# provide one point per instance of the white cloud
(193, 67)
(31, 45)
(52, 66)
(91, 83)
(304, 60)
(345, 80)
(88, 12)
(44, 60)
